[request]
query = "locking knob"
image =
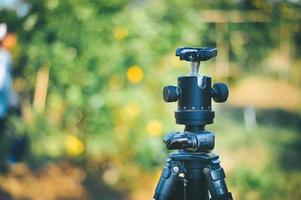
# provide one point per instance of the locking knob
(170, 93)
(220, 92)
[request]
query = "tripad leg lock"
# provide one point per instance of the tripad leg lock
(215, 176)
(168, 180)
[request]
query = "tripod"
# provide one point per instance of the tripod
(193, 172)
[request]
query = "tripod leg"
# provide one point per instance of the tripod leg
(215, 176)
(196, 181)
(179, 190)
(168, 180)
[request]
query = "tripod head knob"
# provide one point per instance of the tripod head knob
(171, 93)
(196, 54)
(220, 92)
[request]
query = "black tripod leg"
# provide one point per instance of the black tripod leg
(179, 190)
(215, 176)
(196, 181)
(168, 180)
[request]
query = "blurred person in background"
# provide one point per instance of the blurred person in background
(13, 146)
(5, 74)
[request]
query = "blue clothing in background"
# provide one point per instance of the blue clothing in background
(5, 82)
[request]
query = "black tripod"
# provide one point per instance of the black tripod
(193, 171)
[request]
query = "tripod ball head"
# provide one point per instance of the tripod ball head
(194, 92)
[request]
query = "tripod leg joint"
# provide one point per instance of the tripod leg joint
(168, 179)
(215, 176)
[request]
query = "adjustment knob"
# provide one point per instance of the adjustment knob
(220, 92)
(170, 93)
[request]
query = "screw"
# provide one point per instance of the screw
(175, 169)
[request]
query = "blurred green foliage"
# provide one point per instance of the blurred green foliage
(97, 109)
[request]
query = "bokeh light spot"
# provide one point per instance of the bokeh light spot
(131, 111)
(120, 33)
(154, 127)
(135, 74)
(74, 146)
